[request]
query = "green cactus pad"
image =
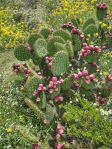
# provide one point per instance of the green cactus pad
(60, 47)
(63, 34)
(49, 113)
(105, 92)
(90, 29)
(60, 63)
(55, 93)
(101, 13)
(69, 48)
(91, 57)
(22, 53)
(105, 28)
(36, 109)
(74, 21)
(40, 48)
(32, 38)
(51, 47)
(89, 21)
(68, 82)
(36, 60)
(23, 131)
(86, 86)
(45, 32)
(88, 94)
(76, 42)
(42, 103)
(32, 84)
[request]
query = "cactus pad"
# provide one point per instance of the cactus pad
(101, 13)
(59, 47)
(49, 113)
(36, 60)
(69, 48)
(88, 22)
(91, 57)
(45, 32)
(32, 84)
(26, 133)
(105, 27)
(74, 21)
(40, 48)
(77, 42)
(63, 34)
(88, 95)
(22, 53)
(90, 29)
(36, 110)
(60, 63)
(51, 47)
(68, 82)
(42, 103)
(32, 38)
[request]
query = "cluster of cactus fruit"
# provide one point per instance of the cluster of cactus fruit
(56, 54)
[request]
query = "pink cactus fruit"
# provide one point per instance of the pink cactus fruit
(41, 85)
(51, 91)
(39, 89)
(38, 100)
(87, 81)
(16, 70)
(61, 131)
(44, 88)
(93, 62)
(60, 98)
(54, 79)
(84, 72)
(56, 144)
(39, 74)
(26, 75)
(49, 64)
(24, 64)
(92, 77)
(16, 65)
(25, 70)
(26, 44)
(71, 139)
(35, 93)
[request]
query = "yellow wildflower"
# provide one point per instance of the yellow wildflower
(38, 117)
(22, 87)
(88, 35)
(87, 38)
(96, 34)
(100, 22)
(0, 99)
(105, 73)
(9, 130)
(109, 27)
(60, 106)
(21, 116)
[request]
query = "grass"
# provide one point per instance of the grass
(12, 93)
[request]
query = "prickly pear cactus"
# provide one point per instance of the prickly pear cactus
(45, 32)
(105, 24)
(36, 110)
(89, 21)
(51, 47)
(101, 13)
(68, 82)
(76, 42)
(69, 49)
(75, 22)
(22, 53)
(60, 63)
(63, 34)
(40, 48)
(23, 131)
(60, 47)
(32, 38)
(90, 29)
(36, 60)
